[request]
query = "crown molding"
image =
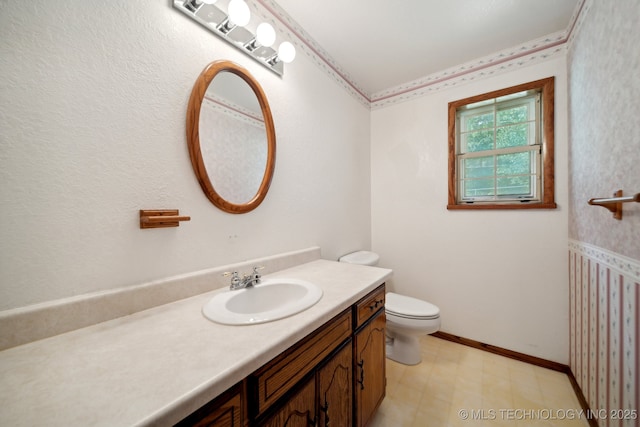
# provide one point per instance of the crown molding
(496, 63)
(303, 42)
(520, 56)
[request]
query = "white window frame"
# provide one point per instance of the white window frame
(532, 99)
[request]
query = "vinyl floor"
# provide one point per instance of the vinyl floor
(460, 386)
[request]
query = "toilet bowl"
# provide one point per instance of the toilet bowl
(408, 318)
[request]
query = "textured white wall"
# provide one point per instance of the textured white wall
(605, 128)
(93, 104)
(499, 277)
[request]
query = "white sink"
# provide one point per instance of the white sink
(272, 299)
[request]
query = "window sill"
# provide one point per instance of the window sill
(495, 206)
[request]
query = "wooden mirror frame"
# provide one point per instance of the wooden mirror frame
(193, 136)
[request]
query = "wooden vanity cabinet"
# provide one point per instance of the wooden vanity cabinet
(227, 410)
(335, 376)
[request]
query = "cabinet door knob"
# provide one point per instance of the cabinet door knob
(375, 304)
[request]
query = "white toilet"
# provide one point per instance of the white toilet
(407, 318)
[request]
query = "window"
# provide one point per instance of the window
(501, 149)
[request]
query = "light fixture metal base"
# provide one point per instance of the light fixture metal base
(216, 21)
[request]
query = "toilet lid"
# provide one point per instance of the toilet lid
(361, 258)
(405, 306)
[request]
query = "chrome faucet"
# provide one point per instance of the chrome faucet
(246, 281)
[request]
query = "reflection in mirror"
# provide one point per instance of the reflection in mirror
(235, 159)
(231, 137)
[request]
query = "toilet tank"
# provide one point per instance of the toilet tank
(361, 258)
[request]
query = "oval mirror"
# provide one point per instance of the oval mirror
(231, 137)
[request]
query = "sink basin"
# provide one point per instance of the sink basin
(272, 299)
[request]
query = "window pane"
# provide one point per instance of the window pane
(478, 121)
(495, 148)
(478, 141)
(514, 186)
(517, 114)
(514, 163)
(478, 187)
(478, 167)
(512, 136)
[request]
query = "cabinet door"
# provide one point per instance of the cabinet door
(369, 369)
(335, 385)
(298, 411)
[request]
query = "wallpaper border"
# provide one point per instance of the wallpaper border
(534, 51)
(625, 265)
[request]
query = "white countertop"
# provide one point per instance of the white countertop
(157, 366)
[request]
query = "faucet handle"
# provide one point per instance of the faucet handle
(235, 277)
(255, 276)
(229, 273)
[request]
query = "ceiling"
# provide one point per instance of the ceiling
(381, 44)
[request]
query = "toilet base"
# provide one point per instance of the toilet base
(404, 349)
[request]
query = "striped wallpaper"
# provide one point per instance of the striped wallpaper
(605, 332)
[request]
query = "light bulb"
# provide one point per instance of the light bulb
(239, 12)
(265, 34)
(286, 52)
(208, 1)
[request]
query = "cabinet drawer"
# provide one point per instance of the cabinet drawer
(282, 373)
(227, 410)
(369, 305)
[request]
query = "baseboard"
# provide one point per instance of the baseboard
(555, 366)
(583, 401)
(549, 364)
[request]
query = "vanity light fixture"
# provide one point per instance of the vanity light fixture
(231, 27)
(286, 52)
(265, 34)
(239, 13)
